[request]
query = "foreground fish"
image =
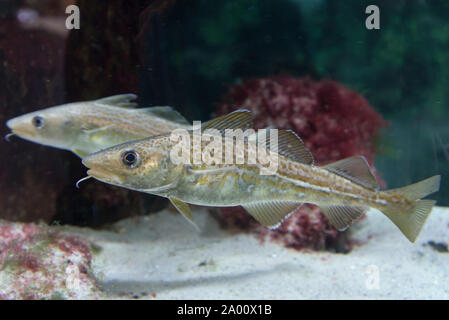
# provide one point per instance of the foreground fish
(89, 126)
(343, 190)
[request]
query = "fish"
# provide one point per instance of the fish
(343, 190)
(89, 126)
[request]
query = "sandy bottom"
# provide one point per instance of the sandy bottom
(163, 257)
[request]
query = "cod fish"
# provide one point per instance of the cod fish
(343, 190)
(89, 126)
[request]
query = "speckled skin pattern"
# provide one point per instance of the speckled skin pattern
(229, 184)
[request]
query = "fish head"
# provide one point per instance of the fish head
(142, 165)
(55, 127)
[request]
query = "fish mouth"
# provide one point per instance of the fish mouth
(104, 176)
(18, 130)
(13, 125)
(22, 134)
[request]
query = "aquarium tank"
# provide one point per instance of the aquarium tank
(356, 91)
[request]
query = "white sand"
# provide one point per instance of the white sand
(162, 254)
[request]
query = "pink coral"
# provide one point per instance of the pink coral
(334, 123)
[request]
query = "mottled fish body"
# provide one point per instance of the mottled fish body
(343, 190)
(89, 126)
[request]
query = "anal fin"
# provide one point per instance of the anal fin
(341, 217)
(271, 213)
(184, 209)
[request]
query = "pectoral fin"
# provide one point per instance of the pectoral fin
(95, 131)
(271, 213)
(184, 209)
(96, 135)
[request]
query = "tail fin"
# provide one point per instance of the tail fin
(411, 223)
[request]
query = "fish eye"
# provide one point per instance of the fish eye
(130, 158)
(38, 122)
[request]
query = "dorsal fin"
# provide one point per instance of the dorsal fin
(165, 112)
(355, 169)
(240, 119)
(120, 100)
(289, 145)
(124, 101)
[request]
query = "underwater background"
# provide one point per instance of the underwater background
(386, 88)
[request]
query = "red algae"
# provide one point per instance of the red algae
(40, 262)
(31, 263)
(333, 121)
(74, 244)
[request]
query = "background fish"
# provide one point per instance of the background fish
(89, 126)
(343, 190)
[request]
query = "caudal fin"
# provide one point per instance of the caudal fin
(411, 222)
